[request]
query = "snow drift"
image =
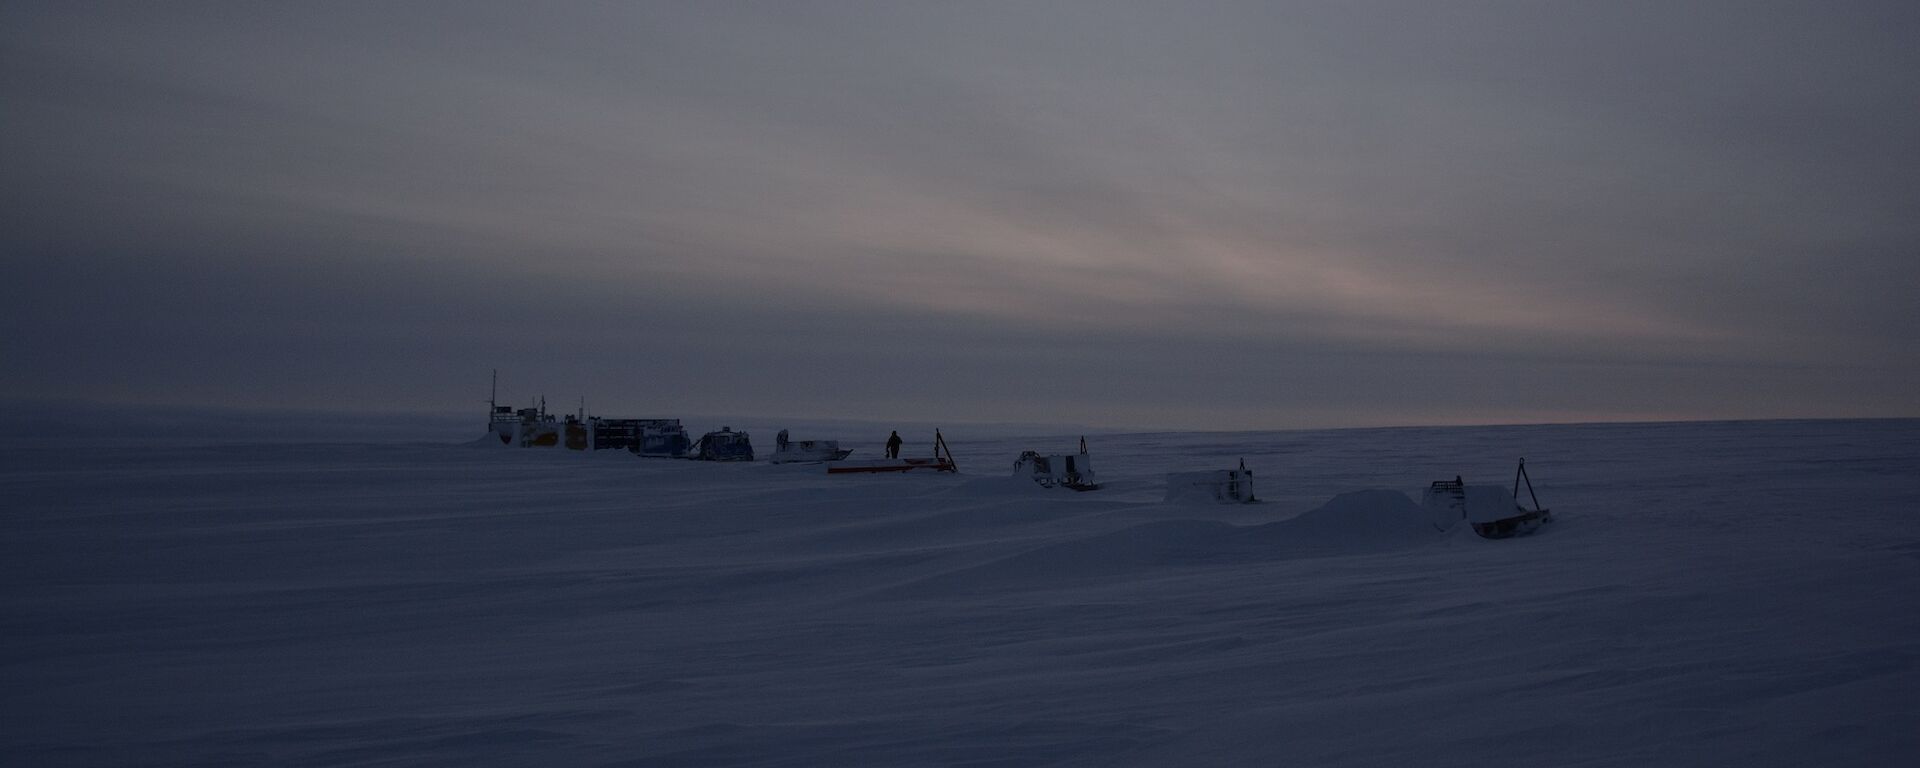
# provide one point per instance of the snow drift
(275, 604)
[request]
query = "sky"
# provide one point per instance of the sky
(1180, 215)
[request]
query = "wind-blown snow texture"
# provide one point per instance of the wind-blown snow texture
(1726, 594)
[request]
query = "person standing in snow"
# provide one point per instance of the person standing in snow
(893, 445)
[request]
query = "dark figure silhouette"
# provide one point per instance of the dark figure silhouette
(893, 446)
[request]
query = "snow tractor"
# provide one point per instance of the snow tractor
(1073, 471)
(790, 451)
(724, 445)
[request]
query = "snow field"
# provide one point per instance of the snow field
(1731, 593)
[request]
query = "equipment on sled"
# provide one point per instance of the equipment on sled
(661, 437)
(530, 427)
(724, 445)
(788, 451)
(535, 427)
(1493, 511)
(1227, 486)
(1070, 471)
(942, 461)
(642, 437)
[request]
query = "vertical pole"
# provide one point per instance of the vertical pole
(940, 446)
(1529, 479)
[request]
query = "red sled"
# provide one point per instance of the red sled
(942, 461)
(890, 465)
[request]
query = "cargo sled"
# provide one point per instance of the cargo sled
(1226, 486)
(792, 451)
(1493, 511)
(724, 445)
(536, 427)
(531, 427)
(942, 461)
(661, 437)
(1073, 471)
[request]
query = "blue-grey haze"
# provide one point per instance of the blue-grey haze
(1198, 215)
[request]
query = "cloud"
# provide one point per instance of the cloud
(1147, 214)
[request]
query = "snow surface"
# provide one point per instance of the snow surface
(1709, 594)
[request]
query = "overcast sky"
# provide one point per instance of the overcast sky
(1173, 215)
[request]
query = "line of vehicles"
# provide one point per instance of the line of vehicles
(536, 427)
(1493, 511)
